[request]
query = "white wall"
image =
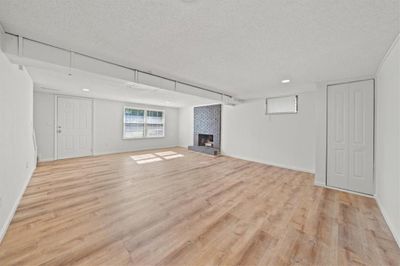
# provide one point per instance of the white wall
(17, 156)
(186, 126)
(387, 153)
(286, 140)
(108, 117)
(43, 122)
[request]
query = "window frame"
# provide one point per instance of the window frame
(296, 105)
(145, 110)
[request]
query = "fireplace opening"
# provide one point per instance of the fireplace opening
(206, 140)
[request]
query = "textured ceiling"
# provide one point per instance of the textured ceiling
(242, 47)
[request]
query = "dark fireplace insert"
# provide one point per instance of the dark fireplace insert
(206, 140)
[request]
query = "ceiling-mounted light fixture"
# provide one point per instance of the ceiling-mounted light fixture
(85, 90)
(285, 81)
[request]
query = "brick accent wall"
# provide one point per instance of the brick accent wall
(207, 120)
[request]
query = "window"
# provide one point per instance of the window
(282, 105)
(140, 123)
(155, 124)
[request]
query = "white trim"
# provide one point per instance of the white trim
(55, 127)
(46, 160)
(319, 184)
(388, 52)
(3, 230)
(138, 150)
(396, 235)
(92, 148)
(272, 164)
(347, 191)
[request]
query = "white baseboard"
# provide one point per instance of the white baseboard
(46, 160)
(139, 150)
(272, 164)
(319, 184)
(3, 230)
(388, 221)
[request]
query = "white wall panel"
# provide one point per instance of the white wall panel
(286, 140)
(96, 66)
(387, 153)
(10, 44)
(155, 81)
(17, 155)
(195, 91)
(43, 114)
(45, 53)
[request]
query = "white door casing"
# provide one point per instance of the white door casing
(350, 136)
(74, 127)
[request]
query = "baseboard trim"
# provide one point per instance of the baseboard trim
(140, 150)
(271, 164)
(396, 235)
(45, 160)
(3, 230)
(109, 153)
(319, 184)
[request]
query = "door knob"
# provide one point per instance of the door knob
(59, 131)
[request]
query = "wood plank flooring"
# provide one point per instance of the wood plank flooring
(190, 210)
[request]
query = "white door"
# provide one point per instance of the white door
(350, 136)
(74, 127)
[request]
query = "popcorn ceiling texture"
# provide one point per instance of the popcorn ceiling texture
(242, 47)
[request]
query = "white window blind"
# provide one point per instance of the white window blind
(141, 123)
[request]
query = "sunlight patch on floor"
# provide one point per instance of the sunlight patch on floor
(165, 153)
(173, 156)
(149, 160)
(156, 157)
(143, 156)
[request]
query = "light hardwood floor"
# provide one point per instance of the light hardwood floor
(191, 210)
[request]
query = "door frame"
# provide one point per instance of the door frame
(56, 97)
(373, 137)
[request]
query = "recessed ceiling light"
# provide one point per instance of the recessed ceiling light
(85, 90)
(285, 81)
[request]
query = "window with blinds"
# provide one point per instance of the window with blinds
(141, 123)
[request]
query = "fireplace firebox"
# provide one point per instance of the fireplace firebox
(206, 140)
